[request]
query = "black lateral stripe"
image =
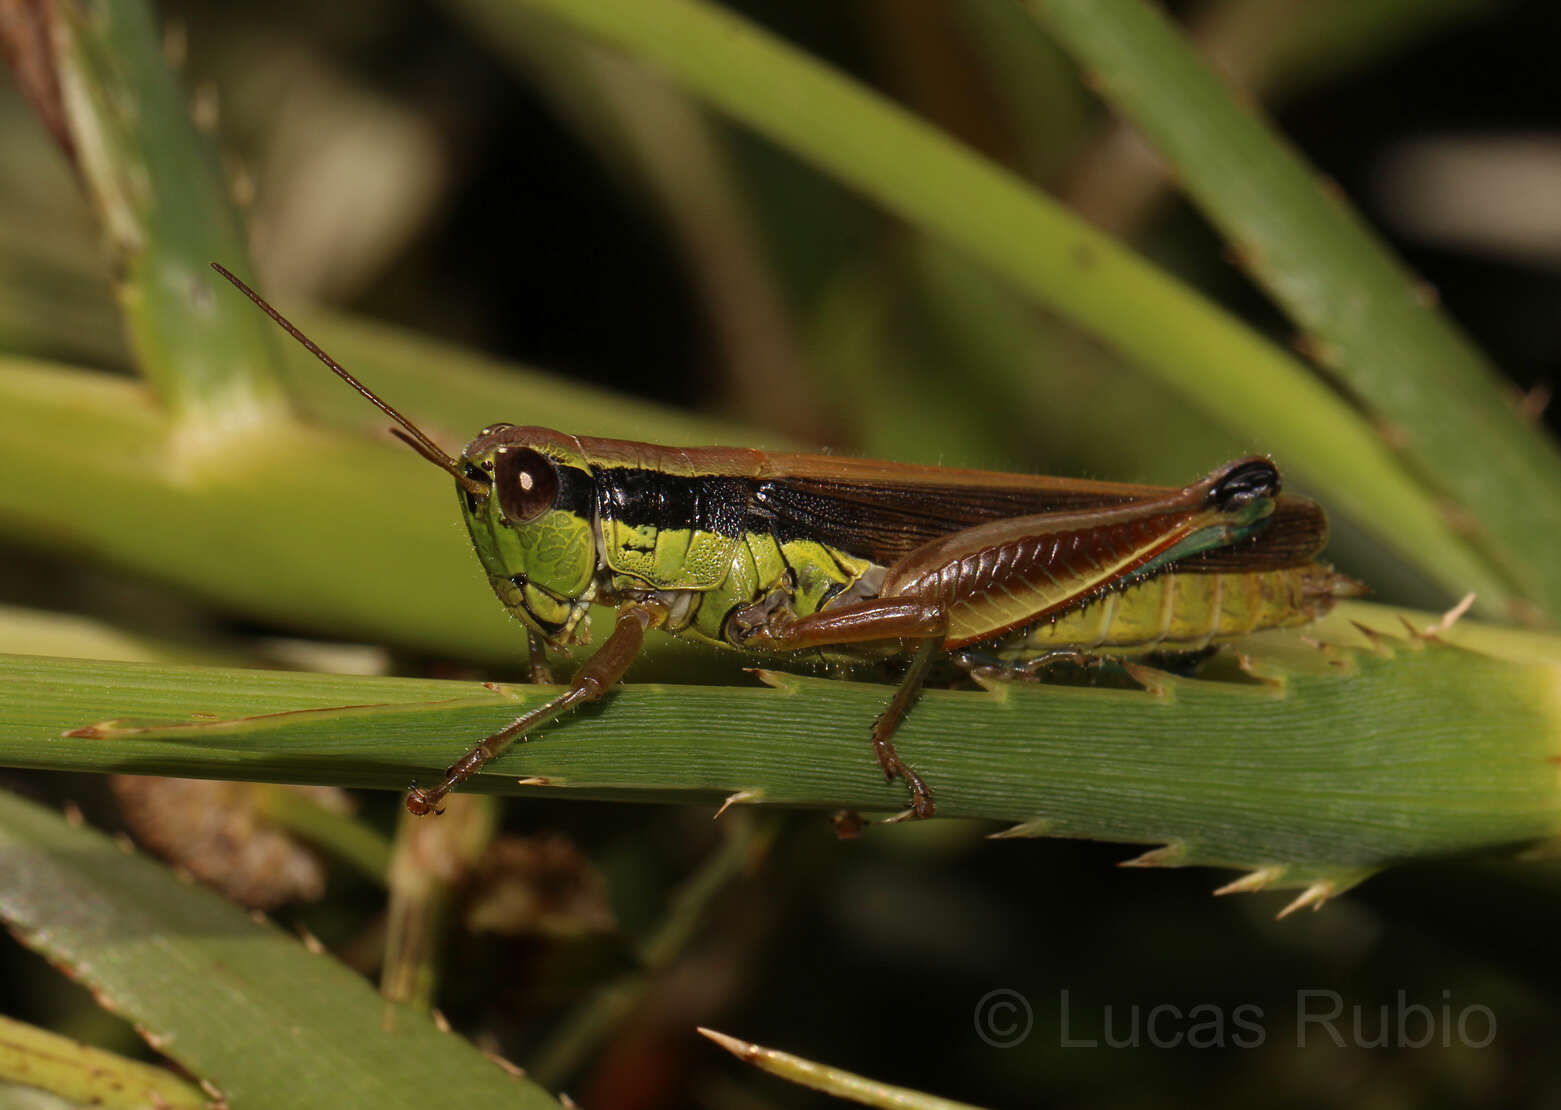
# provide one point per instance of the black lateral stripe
(640, 497)
(884, 523)
(576, 492)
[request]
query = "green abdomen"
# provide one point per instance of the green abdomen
(1185, 612)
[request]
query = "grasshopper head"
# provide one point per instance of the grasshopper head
(533, 524)
(528, 498)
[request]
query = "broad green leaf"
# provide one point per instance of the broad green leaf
(234, 1000)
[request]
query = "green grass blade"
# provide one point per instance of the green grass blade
(1272, 50)
(165, 211)
(831, 1080)
(319, 531)
(1338, 764)
(938, 185)
(267, 504)
(1367, 319)
(238, 1003)
(90, 1076)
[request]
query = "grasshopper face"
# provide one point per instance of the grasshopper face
(533, 529)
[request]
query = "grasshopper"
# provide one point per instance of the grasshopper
(767, 552)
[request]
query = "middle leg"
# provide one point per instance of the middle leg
(889, 720)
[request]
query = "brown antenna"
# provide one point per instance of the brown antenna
(416, 440)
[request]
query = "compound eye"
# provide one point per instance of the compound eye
(525, 482)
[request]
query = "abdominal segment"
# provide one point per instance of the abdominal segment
(1184, 612)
